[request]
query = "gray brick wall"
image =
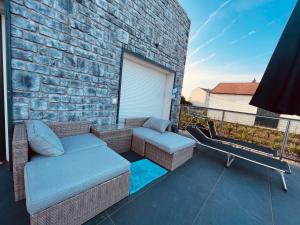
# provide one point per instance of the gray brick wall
(66, 54)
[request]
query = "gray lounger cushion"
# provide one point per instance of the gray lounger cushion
(170, 142)
(81, 142)
(143, 132)
(42, 139)
(157, 124)
(50, 180)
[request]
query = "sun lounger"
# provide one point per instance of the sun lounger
(214, 135)
(233, 152)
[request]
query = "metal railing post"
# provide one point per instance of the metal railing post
(285, 139)
(222, 121)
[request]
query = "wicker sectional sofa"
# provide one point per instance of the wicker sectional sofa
(73, 188)
(89, 177)
(167, 149)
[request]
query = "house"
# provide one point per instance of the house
(236, 97)
(233, 97)
(200, 97)
(100, 61)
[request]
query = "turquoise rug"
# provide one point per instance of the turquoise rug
(144, 172)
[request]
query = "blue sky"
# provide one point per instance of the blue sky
(232, 40)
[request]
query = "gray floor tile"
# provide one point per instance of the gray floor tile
(100, 218)
(286, 205)
(222, 211)
(245, 194)
(11, 212)
(246, 189)
(173, 201)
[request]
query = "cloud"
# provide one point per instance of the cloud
(245, 36)
(243, 5)
(209, 19)
(199, 77)
(193, 64)
(232, 72)
(252, 32)
(208, 42)
(278, 20)
(271, 23)
(239, 64)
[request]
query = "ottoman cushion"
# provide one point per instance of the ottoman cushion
(81, 142)
(170, 142)
(143, 132)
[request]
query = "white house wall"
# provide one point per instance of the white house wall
(199, 97)
(295, 125)
(238, 103)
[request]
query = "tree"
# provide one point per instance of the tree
(183, 101)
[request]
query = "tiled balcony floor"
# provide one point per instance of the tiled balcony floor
(201, 192)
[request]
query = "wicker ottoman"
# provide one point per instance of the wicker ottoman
(169, 150)
(140, 134)
(138, 145)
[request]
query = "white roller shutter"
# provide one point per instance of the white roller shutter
(146, 90)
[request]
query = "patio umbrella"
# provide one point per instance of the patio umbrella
(279, 89)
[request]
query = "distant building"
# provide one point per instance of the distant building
(233, 97)
(200, 97)
(236, 97)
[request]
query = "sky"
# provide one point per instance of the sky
(231, 40)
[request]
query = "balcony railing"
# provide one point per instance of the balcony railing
(279, 133)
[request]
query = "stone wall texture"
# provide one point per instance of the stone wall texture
(66, 54)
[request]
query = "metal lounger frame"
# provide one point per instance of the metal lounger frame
(231, 157)
(228, 142)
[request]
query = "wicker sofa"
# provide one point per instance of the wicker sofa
(167, 149)
(138, 144)
(87, 197)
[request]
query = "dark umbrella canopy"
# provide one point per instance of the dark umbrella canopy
(279, 89)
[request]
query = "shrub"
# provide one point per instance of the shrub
(253, 134)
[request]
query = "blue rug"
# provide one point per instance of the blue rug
(144, 172)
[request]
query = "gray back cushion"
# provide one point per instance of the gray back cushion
(42, 139)
(157, 124)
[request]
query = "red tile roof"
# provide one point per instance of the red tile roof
(236, 88)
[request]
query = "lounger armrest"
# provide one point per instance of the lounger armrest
(135, 122)
(20, 149)
(71, 128)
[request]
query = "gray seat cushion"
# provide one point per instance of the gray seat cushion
(81, 142)
(143, 132)
(42, 139)
(50, 180)
(157, 124)
(170, 142)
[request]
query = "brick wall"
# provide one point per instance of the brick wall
(66, 54)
